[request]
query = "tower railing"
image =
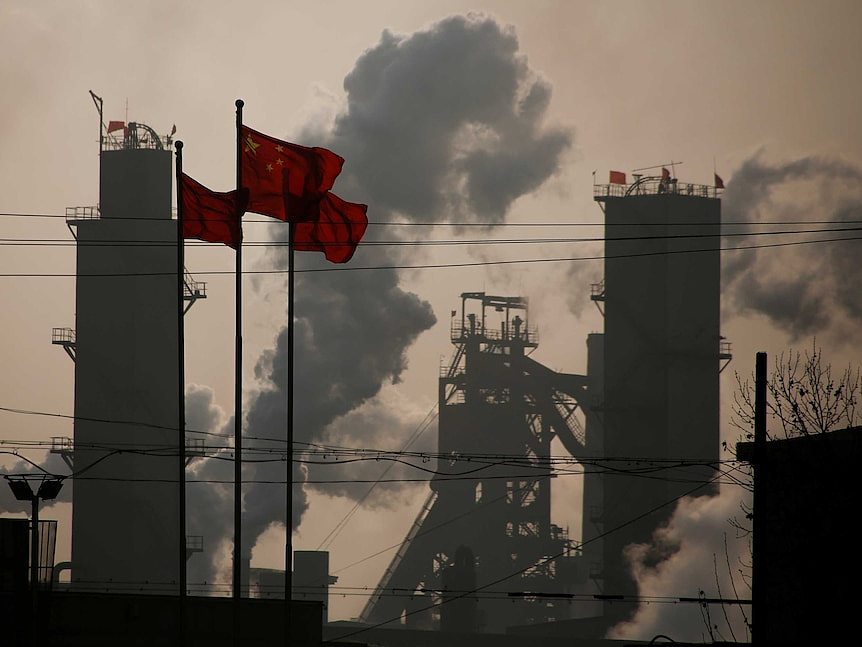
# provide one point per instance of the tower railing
(653, 186)
(459, 332)
(62, 336)
(83, 213)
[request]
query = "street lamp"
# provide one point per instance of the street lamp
(48, 489)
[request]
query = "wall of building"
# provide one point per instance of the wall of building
(125, 512)
(810, 571)
(661, 344)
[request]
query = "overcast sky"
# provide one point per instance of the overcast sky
(500, 115)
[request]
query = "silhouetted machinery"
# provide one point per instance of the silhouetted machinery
(650, 399)
(488, 520)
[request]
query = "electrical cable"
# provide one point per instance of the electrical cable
(426, 266)
(420, 429)
(449, 223)
(58, 242)
(523, 570)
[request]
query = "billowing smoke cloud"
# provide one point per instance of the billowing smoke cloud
(384, 421)
(350, 336)
(687, 556)
(442, 124)
(803, 289)
(209, 505)
(446, 123)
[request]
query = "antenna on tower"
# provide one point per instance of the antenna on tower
(98, 101)
(672, 165)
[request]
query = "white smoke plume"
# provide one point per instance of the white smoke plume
(699, 552)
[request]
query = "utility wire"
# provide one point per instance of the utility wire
(452, 223)
(426, 266)
(62, 242)
(170, 586)
(330, 537)
(523, 570)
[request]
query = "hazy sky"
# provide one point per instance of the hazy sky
(768, 87)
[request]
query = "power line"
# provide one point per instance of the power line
(437, 481)
(523, 570)
(426, 266)
(62, 242)
(454, 223)
(420, 429)
(323, 449)
(169, 586)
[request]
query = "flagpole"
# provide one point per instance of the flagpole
(288, 544)
(181, 396)
(237, 503)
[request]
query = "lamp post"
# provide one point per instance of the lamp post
(49, 488)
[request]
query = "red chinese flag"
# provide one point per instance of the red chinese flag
(719, 183)
(116, 125)
(618, 177)
(210, 216)
(285, 181)
(336, 231)
(665, 174)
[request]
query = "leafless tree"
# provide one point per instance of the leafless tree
(803, 396)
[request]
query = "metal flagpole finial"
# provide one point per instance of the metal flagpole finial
(179, 145)
(239, 103)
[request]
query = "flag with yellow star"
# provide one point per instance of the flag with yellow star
(285, 181)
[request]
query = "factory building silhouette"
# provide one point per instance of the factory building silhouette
(662, 354)
(483, 554)
(125, 451)
(650, 392)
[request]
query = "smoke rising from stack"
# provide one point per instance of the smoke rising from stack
(802, 291)
(442, 124)
(820, 295)
(688, 556)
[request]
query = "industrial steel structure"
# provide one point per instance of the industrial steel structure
(493, 399)
(650, 397)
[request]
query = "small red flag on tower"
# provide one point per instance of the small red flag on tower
(719, 183)
(665, 174)
(618, 177)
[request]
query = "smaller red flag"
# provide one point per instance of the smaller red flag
(116, 125)
(665, 174)
(618, 177)
(337, 230)
(719, 183)
(211, 216)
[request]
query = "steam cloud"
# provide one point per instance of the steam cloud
(52, 464)
(804, 289)
(443, 123)
(688, 556)
(439, 124)
(446, 121)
